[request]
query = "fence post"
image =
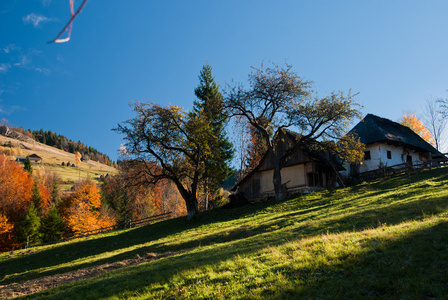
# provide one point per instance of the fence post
(27, 241)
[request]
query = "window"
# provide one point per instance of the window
(366, 155)
(389, 155)
(409, 160)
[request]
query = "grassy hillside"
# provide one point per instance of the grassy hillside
(52, 159)
(383, 240)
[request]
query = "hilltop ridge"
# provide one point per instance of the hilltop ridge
(17, 144)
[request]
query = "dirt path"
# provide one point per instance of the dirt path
(40, 284)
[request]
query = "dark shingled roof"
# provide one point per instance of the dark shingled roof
(374, 129)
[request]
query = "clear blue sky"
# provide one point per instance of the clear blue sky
(393, 53)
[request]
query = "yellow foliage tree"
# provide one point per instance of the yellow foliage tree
(411, 121)
(82, 209)
(78, 158)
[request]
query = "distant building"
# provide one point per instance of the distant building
(34, 158)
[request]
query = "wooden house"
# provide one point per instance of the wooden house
(304, 170)
(34, 158)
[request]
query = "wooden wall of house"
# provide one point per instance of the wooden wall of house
(251, 186)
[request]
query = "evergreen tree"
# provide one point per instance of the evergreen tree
(27, 165)
(210, 104)
(52, 225)
(29, 226)
(37, 198)
(55, 195)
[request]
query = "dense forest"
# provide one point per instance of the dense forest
(61, 142)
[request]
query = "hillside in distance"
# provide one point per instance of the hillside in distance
(54, 160)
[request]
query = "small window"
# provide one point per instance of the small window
(366, 155)
(409, 160)
(389, 155)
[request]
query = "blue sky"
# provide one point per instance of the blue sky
(393, 53)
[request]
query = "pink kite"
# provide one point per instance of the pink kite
(69, 24)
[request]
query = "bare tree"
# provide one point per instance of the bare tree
(278, 99)
(435, 121)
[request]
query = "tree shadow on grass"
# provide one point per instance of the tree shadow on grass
(30, 261)
(135, 239)
(415, 266)
(299, 223)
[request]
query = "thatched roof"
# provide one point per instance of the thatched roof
(374, 129)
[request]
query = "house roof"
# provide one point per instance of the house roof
(34, 155)
(374, 129)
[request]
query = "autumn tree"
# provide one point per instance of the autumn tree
(7, 241)
(81, 210)
(411, 121)
(171, 144)
(16, 189)
(278, 99)
(210, 105)
(78, 158)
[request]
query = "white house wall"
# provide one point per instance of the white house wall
(378, 154)
(378, 157)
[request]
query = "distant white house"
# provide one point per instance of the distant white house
(389, 144)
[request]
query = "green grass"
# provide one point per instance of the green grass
(383, 240)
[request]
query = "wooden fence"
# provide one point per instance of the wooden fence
(402, 168)
(129, 224)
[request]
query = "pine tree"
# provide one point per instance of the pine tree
(27, 165)
(29, 225)
(210, 103)
(52, 225)
(37, 198)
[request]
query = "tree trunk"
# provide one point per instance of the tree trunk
(277, 180)
(206, 196)
(192, 207)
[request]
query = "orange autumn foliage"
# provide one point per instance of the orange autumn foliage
(411, 121)
(6, 237)
(81, 212)
(89, 193)
(45, 182)
(16, 189)
(80, 218)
